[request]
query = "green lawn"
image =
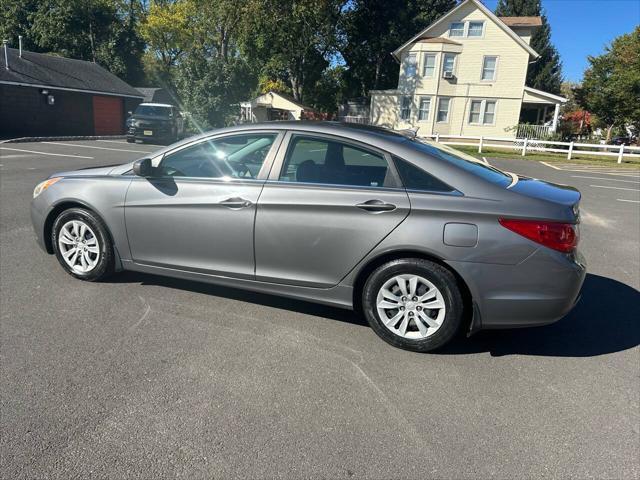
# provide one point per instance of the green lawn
(577, 158)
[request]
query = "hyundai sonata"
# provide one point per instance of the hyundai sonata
(420, 238)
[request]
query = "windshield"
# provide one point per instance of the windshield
(153, 110)
(464, 161)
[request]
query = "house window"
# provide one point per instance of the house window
(423, 111)
(411, 66)
(489, 68)
(448, 62)
(443, 110)
(405, 108)
(482, 112)
(476, 29)
(429, 65)
(456, 29)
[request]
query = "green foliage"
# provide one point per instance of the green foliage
(611, 85)
(104, 31)
(372, 30)
(546, 73)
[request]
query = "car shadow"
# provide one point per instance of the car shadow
(606, 320)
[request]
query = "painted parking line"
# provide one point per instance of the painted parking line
(606, 179)
(114, 141)
(45, 153)
(616, 188)
(628, 201)
(97, 148)
(550, 166)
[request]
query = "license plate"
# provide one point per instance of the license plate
(148, 132)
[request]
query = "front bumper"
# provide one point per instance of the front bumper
(538, 291)
(38, 219)
(158, 132)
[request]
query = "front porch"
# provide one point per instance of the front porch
(539, 114)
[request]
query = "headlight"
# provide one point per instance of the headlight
(42, 186)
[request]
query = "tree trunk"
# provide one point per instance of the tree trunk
(609, 129)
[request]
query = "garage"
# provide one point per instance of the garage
(108, 116)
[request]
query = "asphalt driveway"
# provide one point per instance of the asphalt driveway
(149, 377)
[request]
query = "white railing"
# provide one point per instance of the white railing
(533, 131)
(524, 145)
(354, 119)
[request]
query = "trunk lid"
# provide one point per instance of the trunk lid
(553, 193)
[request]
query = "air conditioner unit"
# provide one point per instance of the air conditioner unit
(448, 75)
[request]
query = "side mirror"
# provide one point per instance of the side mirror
(143, 168)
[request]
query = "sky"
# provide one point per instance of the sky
(580, 28)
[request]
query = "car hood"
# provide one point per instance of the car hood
(88, 172)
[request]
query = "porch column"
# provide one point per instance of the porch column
(554, 125)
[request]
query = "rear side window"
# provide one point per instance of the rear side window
(319, 160)
(415, 178)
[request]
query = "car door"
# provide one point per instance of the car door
(328, 202)
(197, 213)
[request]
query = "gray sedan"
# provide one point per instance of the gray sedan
(422, 239)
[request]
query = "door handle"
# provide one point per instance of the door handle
(235, 203)
(376, 206)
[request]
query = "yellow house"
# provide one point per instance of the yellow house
(465, 75)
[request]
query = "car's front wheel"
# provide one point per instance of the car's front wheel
(82, 244)
(413, 304)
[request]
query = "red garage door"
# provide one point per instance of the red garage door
(107, 116)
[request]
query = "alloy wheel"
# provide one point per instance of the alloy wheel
(79, 246)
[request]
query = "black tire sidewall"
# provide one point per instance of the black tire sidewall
(105, 262)
(441, 277)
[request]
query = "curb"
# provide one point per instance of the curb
(57, 139)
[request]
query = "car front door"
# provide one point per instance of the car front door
(328, 202)
(197, 212)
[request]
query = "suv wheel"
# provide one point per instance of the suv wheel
(413, 304)
(82, 245)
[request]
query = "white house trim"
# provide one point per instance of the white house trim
(550, 96)
(487, 12)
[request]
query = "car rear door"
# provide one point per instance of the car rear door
(197, 214)
(327, 203)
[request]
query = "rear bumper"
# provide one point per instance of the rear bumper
(538, 291)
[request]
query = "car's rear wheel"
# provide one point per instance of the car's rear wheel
(413, 304)
(82, 244)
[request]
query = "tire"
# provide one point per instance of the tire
(131, 140)
(420, 334)
(95, 259)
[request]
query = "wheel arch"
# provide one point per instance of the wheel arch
(66, 205)
(365, 271)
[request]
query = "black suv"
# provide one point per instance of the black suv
(157, 122)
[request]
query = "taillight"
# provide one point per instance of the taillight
(562, 237)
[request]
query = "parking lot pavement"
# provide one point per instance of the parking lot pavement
(147, 377)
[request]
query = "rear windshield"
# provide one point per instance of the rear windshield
(153, 110)
(464, 161)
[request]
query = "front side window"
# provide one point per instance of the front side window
(482, 112)
(411, 66)
(425, 106)
(319, 160)
(236, 156)
(429, 65)
(443, 110)
(448, 62)
(476, 29)
(489, 68)
(456, 29)
(405, 108)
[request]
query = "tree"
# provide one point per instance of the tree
(104, 31)
(372, 30)
(611, 85)
(291, 39)
(546, 73)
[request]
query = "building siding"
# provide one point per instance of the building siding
(506, 89)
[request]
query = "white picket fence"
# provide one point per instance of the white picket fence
(524, 145)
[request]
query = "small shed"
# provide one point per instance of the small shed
(48, 95)
(273, 106)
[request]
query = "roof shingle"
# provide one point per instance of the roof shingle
(522, 21)
(52, 71)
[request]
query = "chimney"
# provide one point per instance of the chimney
(6, 54)
(20, 46)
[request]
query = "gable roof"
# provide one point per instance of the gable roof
(49, 71)
(546, 95)
(522, 21)
(480, 6)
